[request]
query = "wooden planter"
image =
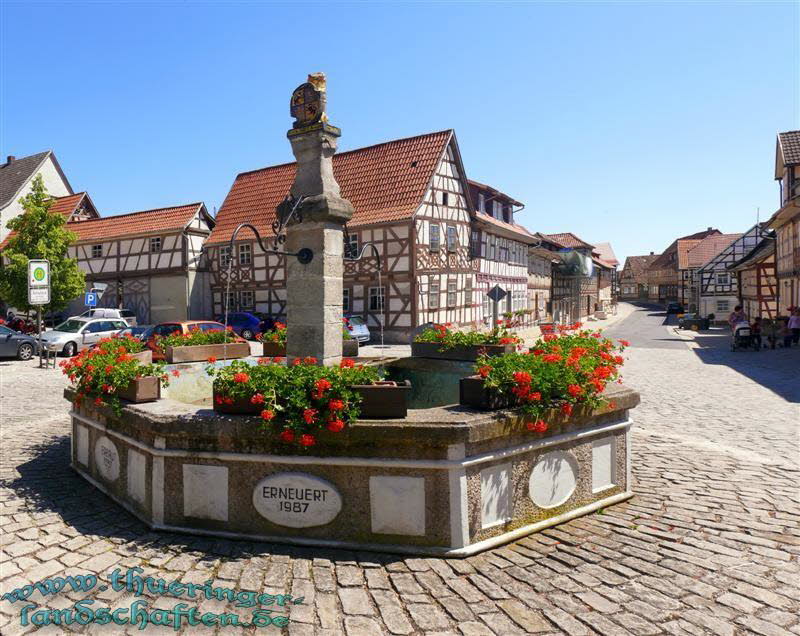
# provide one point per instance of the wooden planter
(144, 357)
(201, 353)
(240, 406)
(274, 349)
(146, 389)
(350, 348)
(384, 401)
(469, 354)
(473, 392)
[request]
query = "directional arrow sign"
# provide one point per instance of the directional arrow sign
(497, 293)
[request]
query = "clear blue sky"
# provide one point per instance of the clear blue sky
(627, 122)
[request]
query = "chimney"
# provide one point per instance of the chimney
(710, 228)
(652, 253)
(10, 158)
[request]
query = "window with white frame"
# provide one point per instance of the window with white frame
(452, 238)
(434, 240)
(225, 255)
(452, 293)
(492, 245)
(468, 293)
(247, 299)
(245, 254)
(723, 278)
(503, 251)
(487, 308)
(475, 244)
(230, 301)
(351, 245)
(481, 202)
(723, 305)
(97, 251)
(445, 198)
(345, 300)
(497, 209)
(433, 295)
(376, 299)
(155, 243)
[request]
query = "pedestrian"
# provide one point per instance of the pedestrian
(737, 316)
(785, 333)
(794, 325)
(755, 331)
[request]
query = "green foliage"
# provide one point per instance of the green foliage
(39, 234)
(297, 401)
(198, 337)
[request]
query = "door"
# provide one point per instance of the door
(8, 346)
(91, 333)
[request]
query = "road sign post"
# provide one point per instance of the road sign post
(39, 291)
(497, 294)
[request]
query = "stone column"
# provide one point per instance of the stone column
(314, 290)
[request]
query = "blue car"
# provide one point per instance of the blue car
(244, 323)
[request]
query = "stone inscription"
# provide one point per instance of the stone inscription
(297, 500)
(106, 458)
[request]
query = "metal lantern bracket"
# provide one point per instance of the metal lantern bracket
(288, 209)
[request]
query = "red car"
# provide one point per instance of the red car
(181, 326)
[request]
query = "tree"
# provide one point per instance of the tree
(39, 233)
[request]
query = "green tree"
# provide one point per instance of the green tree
(39, 233)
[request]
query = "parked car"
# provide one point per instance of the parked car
(357, 327)
(79, 333)
(164, 329)
(245, 323)
(693, 322)
(674, 308)
(142, 332)
(17, 344)
(107, 312)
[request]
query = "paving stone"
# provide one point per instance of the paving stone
(355, 601)
(529, 620)
(428, 617)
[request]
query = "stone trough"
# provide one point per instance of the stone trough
(447, 481)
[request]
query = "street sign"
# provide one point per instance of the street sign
(497, 293)
(90, 300)
(38, 282)
(38, 295)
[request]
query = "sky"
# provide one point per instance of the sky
(627, 122)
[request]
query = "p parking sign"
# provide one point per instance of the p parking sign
(91, 299)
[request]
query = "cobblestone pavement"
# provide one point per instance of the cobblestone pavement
(710, 544)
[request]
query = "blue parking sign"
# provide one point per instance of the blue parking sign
(91, 299)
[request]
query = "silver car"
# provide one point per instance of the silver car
(79, 333)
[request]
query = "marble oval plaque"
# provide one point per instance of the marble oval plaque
(106, 458)
(553, 479)
(297, 500)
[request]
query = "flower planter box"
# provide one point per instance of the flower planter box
(146, 389)
(350, 348)
(470, 354)
(201, 353)
(384, 401)
(240, 406)
(473, 392)
(274, 349)
(144, 357)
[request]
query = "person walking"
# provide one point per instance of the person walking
(737, 316)
(794, 325)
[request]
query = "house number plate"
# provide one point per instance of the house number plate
(297, 500)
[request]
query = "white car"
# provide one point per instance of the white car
(106, 312)
(79, 333)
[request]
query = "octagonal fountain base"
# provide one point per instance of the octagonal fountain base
(447, 481)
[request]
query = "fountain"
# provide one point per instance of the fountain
(447, 480)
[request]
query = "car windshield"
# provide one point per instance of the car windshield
(356, 320)
(70, 326)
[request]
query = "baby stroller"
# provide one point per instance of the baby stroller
(743, 337)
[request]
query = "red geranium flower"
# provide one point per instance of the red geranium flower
(551, 357)
(257, 399)
(307, 440)
(309, 415)
(539, 426)
(310, 360)
(625, 343)
(484, 371)
(334, 426)
(566, 408)
(347, 363)
(322, 385)
(521, 377)
(176, 373)
(211, 359)
(335, 405)
(241, 377)
(574, 390)
(267, 415)
(287, 436)
(98, 401)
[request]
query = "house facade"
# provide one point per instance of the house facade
(757, 280)
(633, 277)
(151, 262)
(543, 258)
(16, 178)
(786, 220)
(664, 278)
(694, 284)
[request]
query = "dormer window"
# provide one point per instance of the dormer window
(481, 202)
(507, 213)
(497, 209)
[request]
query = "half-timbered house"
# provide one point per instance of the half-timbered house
(499, 250)
(757, 280)
(663, 277)
(692, 259)
(633, 277)
(543, 258)
(718, 291)
(411, 201)
(786, 220)
(151, 262)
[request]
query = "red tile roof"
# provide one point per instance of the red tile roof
(494, 191)
(145, 222)
(638, 265)
(708, 248)
(520, 232)
(384, 182)
(683, 247)
(667, 261)
(790, 147)
(607, 253)
(61, 205)
(568, 239)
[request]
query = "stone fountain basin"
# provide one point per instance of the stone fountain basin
(447, 481)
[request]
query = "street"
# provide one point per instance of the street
(709, 544)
